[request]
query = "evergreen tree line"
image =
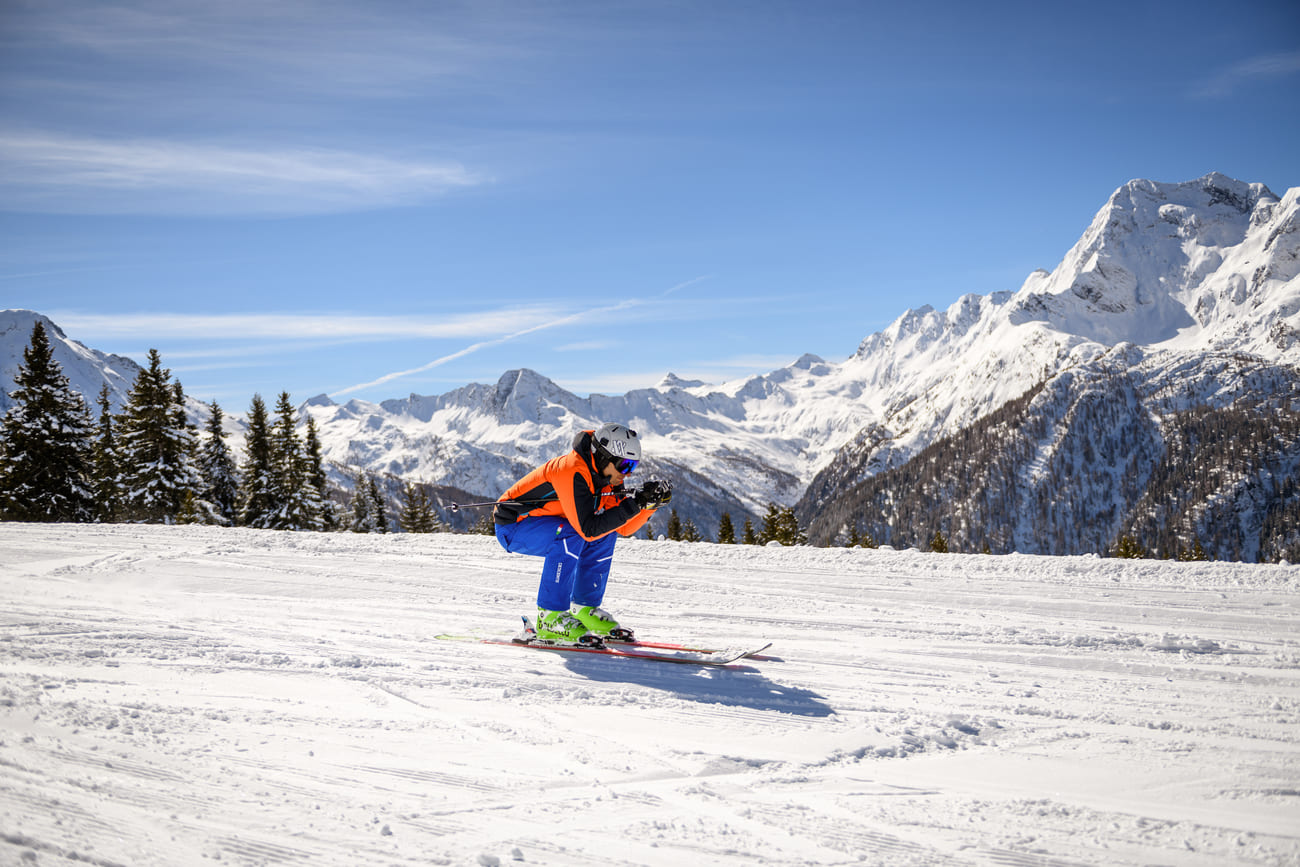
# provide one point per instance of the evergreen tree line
(148, 464)
(779, 525)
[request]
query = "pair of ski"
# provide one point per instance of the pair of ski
(652, 651)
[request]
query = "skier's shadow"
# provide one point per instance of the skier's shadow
(736, 685)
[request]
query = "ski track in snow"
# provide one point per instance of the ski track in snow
(190, 695)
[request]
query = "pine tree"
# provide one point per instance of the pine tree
(189, 513)
(1127, 548)
(859, 539)
(771, 531)
(361, 521)
(378, 508)
(939, 545)
(749, 537)
(690, 533)
(45, 443)
(297, 502)
(217, 466)
(157, 448)
(417, 514)
(319, 479)
(726, 532)
(106, 465)
(257, 498)
(788, 531)
(674, 532)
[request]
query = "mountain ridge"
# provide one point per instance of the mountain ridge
(1165, 276)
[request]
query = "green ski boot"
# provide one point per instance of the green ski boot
(599, 621)
(561, 627)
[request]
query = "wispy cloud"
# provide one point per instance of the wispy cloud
(88, 175)
(307, 46)
(484, 344)
(1249, 71)
(310, 326)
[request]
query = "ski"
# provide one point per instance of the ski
(679, 654)
(683, 657)
(755, 655)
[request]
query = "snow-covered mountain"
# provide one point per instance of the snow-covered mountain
(1171, 271)
(88, 370)
(1167, 278)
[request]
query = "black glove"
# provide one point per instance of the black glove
(653, 494)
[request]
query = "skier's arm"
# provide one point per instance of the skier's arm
(580, 509)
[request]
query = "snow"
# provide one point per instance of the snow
(188, 695)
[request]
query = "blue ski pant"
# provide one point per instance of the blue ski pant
(574, 569)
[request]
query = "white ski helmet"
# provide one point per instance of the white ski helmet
(616, 443)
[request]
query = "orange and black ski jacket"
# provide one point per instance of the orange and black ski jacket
(567, 487)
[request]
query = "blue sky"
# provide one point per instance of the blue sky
(369, 200)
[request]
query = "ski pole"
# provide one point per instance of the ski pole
(456, 507)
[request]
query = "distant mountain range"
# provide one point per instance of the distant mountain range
(1043, 414)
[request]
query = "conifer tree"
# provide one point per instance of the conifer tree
(1127, 548)
(317, 476)
(378, 509)
(106, 465)
(939, 545)
(726, 532)
(411, 517)
(297, 502)
(788, 531)
(189, 512)
(674, 532)
(257, 496)
(690, 533)
(771, 531)
(859, 539)
(361, 521)
(749, 537)
(417, 513)
(44, 442)
(217, 466)
(157, 448)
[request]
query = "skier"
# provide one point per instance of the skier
(570, 511)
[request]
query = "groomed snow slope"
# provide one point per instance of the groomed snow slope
(188, 696)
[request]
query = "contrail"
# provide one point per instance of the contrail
(554, 323)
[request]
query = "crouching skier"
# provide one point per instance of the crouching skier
(570, 511)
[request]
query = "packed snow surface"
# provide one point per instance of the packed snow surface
(192, 695)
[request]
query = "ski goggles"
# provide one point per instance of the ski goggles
(625, 466)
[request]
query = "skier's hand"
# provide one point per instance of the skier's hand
(653, 494)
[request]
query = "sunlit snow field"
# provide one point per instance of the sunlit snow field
(190, 695)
